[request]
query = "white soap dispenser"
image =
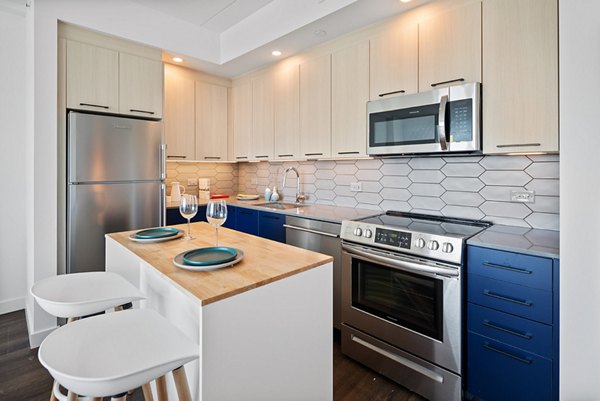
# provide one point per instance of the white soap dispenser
(267, 194)
(274, 194)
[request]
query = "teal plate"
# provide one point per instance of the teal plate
(155, 233)
(214, 255)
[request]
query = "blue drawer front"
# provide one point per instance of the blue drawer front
(246, 220)
(498, 372)
(512, 330)
(270, 226)
(174, 217)
(531, 271)
(519, 300)
(230, 222)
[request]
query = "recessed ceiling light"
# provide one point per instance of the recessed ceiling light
(177, 59)
(276, 53)
(405, 1)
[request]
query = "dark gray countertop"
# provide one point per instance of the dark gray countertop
(530, 241)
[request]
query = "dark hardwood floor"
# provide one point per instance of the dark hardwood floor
(22, 378)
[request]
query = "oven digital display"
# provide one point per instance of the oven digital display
(393, 238)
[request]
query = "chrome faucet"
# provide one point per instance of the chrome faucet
(299, 197)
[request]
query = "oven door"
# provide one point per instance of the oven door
(409, 303)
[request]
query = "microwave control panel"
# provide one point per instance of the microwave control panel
(461, 120)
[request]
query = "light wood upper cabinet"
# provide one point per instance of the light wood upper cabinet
(520, 68)
(211, 122)
(179, 115)
(92, 77)
(262, 116)
(450, 47)
(394, 61)
(315, 107)
(286, 111)
(140, 86)
(349, 96)
(241, 103)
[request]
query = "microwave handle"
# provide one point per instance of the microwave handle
(442, 122)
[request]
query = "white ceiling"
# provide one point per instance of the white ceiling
(248, 30)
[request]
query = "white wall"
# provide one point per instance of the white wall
(580, 190)
(12, 161)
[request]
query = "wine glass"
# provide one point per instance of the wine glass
(216, 214)
(188, 207)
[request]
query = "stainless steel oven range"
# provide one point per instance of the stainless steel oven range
(402, 298)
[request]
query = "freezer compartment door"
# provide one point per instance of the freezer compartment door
(107, 148)
(97, 209)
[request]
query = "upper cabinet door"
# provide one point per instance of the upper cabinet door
(394, 62)
(349, 96)
(286, 111)
(241, 102)
(93, 78)
(140, 86)
(315, 107)
(211, 122)
(262, 116)
(450, 47)
(179, 115)
(520, 67)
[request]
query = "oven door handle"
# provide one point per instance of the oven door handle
(401, 264)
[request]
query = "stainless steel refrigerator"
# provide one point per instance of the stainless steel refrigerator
(115, 173)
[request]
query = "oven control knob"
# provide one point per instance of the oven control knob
(433, 245)
(358, 231)
(447, 247)
(368, 233)
(420, 243)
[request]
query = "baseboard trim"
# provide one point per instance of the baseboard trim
(12, 305)
(35, 339)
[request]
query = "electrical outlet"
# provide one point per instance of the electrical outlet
(355, 187)
(522, 196)
(192, 182)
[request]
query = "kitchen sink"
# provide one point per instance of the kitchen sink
(280, 205)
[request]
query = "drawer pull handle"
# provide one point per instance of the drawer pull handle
(94, 105)
(348, 153)
(266, 216)
(511, 269)
(527, 361)
(285, 155)
(505, 298)
(141, 111)
(447, 82)
(391, 93)
(489, 324)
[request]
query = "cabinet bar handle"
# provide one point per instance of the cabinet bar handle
(511, 269)
(391, 93)
(447, 82)
(514, 145)
(348, 153)
(285, 155)
(266, 216)
(487, 323)
(212, 157)
(313, 154)
(94, 105)
(141, 111)
(242, 212)
(176, 157)
(508, 354)
(262, 157)
(241, 157)
(505, 298)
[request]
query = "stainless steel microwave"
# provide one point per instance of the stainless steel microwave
(445, 120)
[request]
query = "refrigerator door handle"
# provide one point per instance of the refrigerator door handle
(163, 161)
(163, 205)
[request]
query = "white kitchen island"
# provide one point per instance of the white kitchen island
(264, 325)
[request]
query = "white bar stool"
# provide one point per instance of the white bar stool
(107, 355)
(77, 295)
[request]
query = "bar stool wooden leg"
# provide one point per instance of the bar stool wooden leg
(96, 398)
(122, 397)
(161, 389)
(181, 383)
(147, 390)
(71, 396)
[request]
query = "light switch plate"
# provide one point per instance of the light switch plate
(522, 196)
(355, 187)
(192, 182)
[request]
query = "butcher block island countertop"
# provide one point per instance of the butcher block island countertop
(264, 261)
(263, 326)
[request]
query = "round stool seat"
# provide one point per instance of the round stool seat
(109, 354)
(82, 294)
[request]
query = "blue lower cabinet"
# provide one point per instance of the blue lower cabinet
(499, 372)
(246, 220)
(270, 226)
(231, 220)
(174, 217)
